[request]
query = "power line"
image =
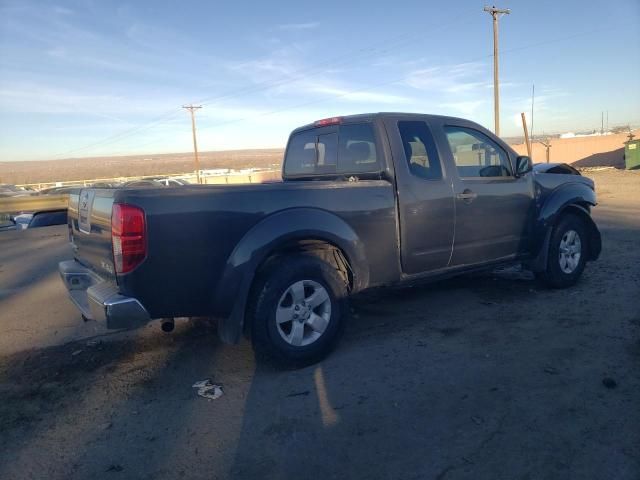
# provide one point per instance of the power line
(308, 71)
(377, 84)
(159, 120)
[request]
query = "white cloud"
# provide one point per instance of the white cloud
(282, 76)
(448, 78)
(466, 108)
(60, 10)
(359, 95)
(39, 98)
(298, 26)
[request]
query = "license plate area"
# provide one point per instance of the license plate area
(85, 205)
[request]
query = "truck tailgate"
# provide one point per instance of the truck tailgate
(90, 229)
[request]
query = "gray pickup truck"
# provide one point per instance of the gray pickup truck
(366, 201)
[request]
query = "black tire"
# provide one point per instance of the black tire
(274, 282)
(554, 276)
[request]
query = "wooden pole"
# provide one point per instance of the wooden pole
(526, 134)
(495, 13)
(192, 109)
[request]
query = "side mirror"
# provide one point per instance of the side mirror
(523, 165)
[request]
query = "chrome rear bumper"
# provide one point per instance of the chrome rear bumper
(99, 299)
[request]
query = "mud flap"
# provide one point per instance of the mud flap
(230, 329)
(539, 262)
(595, 240)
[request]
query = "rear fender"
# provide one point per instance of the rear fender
(576, 198)
(267, 237)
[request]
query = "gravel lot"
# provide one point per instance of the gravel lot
(483, 377)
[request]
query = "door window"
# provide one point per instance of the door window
(476, 155)
(419, 150)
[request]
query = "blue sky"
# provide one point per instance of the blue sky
(87, 78)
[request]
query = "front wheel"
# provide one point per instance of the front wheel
(298, 310)
(568, 251)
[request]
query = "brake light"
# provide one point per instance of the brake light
(328, 121)
(128, 237)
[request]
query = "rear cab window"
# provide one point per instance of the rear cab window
(342, 150)
(419, 150)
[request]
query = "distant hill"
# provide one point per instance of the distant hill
(134, 165)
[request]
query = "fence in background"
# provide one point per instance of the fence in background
(215, 176)
(26, 203)
(601, 151)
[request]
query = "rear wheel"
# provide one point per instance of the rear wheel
(298, 310)
(567, 256)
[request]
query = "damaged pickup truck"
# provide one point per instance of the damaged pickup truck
(366, 201)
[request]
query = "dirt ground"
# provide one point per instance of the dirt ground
(482, 377)
(34, 171)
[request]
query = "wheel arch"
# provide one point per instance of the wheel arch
(549, 218)
(307, 230)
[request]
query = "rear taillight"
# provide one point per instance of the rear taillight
(128, 236)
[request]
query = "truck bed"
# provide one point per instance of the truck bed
(192, 232)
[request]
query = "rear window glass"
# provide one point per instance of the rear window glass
(351, 150)
(327, 154)
(301, 153)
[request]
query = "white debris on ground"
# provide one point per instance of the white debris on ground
(208, 390)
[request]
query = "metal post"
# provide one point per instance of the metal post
(495, 12)
(548, 150)
(192, 109)
(547, 145)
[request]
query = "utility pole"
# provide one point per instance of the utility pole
(495, 13)
(547, 145)
(192, 109)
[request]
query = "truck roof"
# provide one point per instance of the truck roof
(364, 117)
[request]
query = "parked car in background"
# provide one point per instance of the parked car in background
(106, 185)
(23, 221)
(156, 182)
(55, 190)
(48, 218)
(7, 190)
(367, 201)
(142, 183)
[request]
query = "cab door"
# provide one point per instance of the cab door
(493, 206)
(425, 197)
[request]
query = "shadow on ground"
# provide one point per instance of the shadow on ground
(488, 376)
(613, 158)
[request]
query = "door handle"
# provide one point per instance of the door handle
(467, 196)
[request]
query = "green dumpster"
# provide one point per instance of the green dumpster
(632, 154)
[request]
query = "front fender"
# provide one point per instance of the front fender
(265, 238)
(576, 197)
(556, 201)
